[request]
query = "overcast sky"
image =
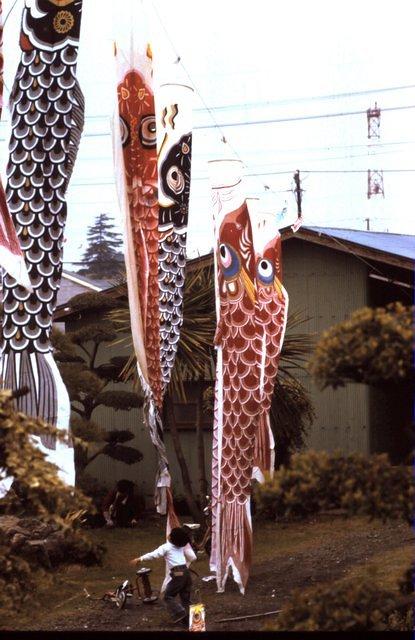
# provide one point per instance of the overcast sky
(250, 62)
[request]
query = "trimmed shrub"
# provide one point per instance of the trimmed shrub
(352, 605)
(372, 346)
(358, 484)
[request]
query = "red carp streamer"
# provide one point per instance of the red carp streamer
(251, 309)
(152, 154)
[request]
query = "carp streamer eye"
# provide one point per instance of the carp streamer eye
(147, 132)
(125, 132)
(175, 180)
(229, 260)
(265, 271)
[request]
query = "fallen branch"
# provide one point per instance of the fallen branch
(252, 615)
(400, 605)
(91, 597)
(77, 595)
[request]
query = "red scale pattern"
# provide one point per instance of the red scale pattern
(252, 318)
(271, 309)
(237, 335)
(136, 101)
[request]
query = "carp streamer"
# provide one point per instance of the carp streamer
(11, 255)
(47, 112)
(152, 155)
(251, 309)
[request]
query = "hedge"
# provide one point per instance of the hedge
(358, 484)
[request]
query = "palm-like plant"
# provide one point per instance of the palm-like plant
(195, 361)
(195, 354)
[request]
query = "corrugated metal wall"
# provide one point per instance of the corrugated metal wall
(327, 285)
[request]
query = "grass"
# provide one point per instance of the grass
(385, 568)
(300, 536)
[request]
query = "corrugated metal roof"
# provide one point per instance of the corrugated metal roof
(394, 243)
(72, 284)
(100, 284)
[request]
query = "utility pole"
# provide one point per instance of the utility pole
(367, 220)
(298, 193)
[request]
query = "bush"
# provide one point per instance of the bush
(373, 346)
(54, 509)
(17, 578)
(353, 605)
(365, 485)
(30, 550)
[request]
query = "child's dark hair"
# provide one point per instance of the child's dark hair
(125, 486)
(179, 537)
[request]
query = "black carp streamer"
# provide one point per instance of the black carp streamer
(47, 111)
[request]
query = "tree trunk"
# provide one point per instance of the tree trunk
(81, 461)
(203, 486)
(187, 485)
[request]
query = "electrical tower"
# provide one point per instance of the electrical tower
(373, 122)
(375, 183)
(374, 176)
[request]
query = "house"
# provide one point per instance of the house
(73, 284)
(328, 273)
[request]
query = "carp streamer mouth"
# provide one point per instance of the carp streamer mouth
(249, 286)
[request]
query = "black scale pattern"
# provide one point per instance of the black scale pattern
(175, 179)
(47, 108)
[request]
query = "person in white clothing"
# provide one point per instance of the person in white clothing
(178, 554)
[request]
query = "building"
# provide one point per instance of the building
(328, 273)
(73, 284)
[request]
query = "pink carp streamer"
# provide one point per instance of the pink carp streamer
(251, 310)
(11, 255)
(152, 156)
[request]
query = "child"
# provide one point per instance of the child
(121, 506)
(178, 554)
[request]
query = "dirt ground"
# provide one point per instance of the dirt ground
(286, 557)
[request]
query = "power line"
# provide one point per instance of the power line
(255, 105)
(319, 116)
(287, 101)
(299, 151)
(111, 181)
(276, 173)
(208, 109)
(304, 150)
(356, 171)
(247, 123)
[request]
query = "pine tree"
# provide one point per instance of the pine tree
(102, 258)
